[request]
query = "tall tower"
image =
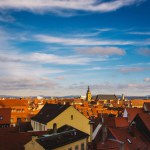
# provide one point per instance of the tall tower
(88, 95)
(122, 98)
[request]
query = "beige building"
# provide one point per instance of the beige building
(59, 115)
(74, 140)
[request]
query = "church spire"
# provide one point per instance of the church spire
(88, 88)
(88, 95)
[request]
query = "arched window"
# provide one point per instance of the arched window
(71, 117)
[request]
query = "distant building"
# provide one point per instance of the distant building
(146, 107)
(5, 115)
(19, 110)
(66, 138)
(122, 97)
(82, 97)
(88, 95)
(104, 97)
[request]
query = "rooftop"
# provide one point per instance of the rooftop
(106, 97)
(71, 135)
(49, 112)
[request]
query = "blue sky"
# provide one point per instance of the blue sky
(59, 47)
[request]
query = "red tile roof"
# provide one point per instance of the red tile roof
(108, 145)
(146, 119)
(11, 103)
(121, 122)
(16, 141)
(137, 142)
(132, 112)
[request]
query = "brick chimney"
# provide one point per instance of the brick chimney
(54, 128)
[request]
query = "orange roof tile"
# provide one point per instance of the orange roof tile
(11, 103)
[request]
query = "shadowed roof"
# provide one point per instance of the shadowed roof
(12, 140)
(65, 135)
(146, 119)
(106, 97)
(49, 112)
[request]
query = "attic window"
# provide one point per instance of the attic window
(71, 117)
(1, 117)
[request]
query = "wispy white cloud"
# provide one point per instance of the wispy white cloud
(147, 79)
(134, 69)
(78, 41)
(65, 60)
(57, 6)
(102, 51)
(6, 18)
(144, 51)
(25, 83)
(105, 29)
(139, 33)
(60, 78)
(90, 34)
(82, 41)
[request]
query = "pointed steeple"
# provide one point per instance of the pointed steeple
(88, 95)
(88, 89)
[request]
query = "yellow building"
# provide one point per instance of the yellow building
(88, 95)
(74, 139)
(59, 115)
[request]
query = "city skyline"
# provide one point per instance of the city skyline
(58, 48)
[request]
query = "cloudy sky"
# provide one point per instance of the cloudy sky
(59, 47)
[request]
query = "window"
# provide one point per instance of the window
(71, 117)
(76, 147)
(12, 120)
(82, 146)
(18, 119)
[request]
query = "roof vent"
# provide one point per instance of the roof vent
(129, 141)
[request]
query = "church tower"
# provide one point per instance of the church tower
(88, 95)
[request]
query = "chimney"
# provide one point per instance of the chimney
(34, 137)
(121, 146)
(104, 134)
(129, 119)
(54, 128)
(91, 129)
